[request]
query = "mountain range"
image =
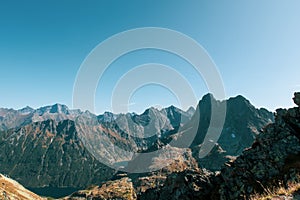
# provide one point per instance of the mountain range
(56, 147)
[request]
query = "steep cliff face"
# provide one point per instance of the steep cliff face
(242, 124)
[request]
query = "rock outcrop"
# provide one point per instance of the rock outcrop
(273, 157)
(118, 189)
(297, 98)
(184, 185)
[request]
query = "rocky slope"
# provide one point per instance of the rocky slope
(136, 186)
(273, 156)
(12, 190)
(272, 159)
(118, 189)
(49, 153)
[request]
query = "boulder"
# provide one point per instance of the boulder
(297, 98)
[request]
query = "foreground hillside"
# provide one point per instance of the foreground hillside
(12, 190)
(273, 157)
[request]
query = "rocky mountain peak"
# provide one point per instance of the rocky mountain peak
(240, 102)
(107, 117)
(171, 108)
(191, 110)
(59, 108)
(26, 110)
(207, 98)
(150, 111)
(56, 108)
(242, 124)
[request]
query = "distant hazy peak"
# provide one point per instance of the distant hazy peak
(191, 110)
(26, 109)
(56, 108)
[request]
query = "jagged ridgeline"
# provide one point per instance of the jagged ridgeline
(47, 147)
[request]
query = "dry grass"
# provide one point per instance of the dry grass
(118, 189)
(12, 190)
(277, 192)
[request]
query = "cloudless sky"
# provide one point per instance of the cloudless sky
(255, 45)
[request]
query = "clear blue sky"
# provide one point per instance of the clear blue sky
(255, 44)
